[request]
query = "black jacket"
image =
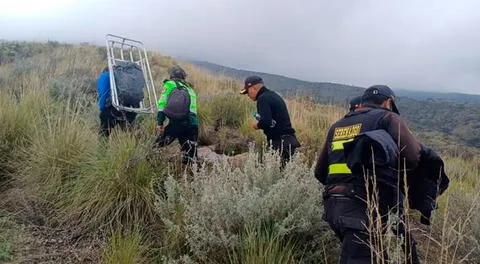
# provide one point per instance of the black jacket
(358, 154)
(271, 106)
(426, 183)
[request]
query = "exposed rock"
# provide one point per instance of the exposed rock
(238, 161)
(207, 155)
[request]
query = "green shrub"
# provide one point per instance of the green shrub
(78, 90)
(219, 202)
(227, 109)
(171, 210)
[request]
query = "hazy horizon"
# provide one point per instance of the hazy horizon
(408, 45)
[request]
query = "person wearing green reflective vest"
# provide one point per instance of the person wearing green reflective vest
(178, 104)
(345, 193)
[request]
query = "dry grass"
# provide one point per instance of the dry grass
(125, 249)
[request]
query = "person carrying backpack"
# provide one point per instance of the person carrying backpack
(178, 103)
(109, 116)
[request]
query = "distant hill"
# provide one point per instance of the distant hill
(323, 91)
(328, 92)
(441, 119)
(422, 95)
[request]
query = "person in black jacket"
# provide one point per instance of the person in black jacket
(345, 184)
(272, 117)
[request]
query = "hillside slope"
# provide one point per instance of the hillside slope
(66, 196)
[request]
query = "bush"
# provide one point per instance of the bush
(76, 90)
(227, 110)
(218, 203)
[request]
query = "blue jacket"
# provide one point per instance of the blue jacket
(103, 88)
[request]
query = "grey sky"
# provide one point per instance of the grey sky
(421, 45)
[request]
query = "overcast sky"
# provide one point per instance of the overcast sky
(421, 45)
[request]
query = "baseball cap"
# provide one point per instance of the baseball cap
(355, 102)
(249, 82)
(380, 91)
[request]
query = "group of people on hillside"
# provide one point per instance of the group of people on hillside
(272, 115)
(367, 151)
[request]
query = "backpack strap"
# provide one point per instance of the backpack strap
(179, 84)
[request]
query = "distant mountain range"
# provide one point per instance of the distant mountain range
(424, 95)
(443, 120)
(327, 92)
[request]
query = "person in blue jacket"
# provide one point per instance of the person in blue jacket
(109, 115)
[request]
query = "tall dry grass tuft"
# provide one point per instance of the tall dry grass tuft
(454, 236)
(312, 122)
(126, 248)
(115, 187)
(59, 149)
(20, 119)
(263, 245)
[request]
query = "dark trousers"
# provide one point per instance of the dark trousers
(286, 146)
(187, 137)
(111, 117)
(348, 218)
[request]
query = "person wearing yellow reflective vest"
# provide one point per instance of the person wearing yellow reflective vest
(178, 104)
(345, 192)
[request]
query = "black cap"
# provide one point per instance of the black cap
(355, 102)
(249, 82)
(176, 72)
(382, 91)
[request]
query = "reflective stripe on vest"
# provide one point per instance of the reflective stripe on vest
(338, 145)
(339, 168)
(343, 131)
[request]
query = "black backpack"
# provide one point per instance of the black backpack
(130, 83)
(178, 103)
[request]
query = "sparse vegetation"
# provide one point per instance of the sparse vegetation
(125, 248)
(6, 246)
(63, 179)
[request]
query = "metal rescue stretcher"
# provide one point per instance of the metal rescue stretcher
(121, 49)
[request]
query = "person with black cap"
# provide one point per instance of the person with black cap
(272, 117)
(345, 189)
(355, 103)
